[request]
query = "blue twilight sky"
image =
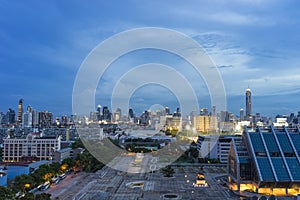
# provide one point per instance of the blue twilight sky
(254, 43)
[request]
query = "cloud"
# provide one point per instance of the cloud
(235, 18)
(224, 66)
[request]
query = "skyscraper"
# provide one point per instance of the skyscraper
(204, 111)
(248, 103)
(99, 112)
(20, 111)
(35, 118)
(167, 110)
(27, 119)
(242, 114)
(106, 114)
(130, 113)
(29, 108)
(213, 110)
(45, 119)
(10, 116)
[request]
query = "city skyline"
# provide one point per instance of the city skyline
(253, 41)
(107, 113)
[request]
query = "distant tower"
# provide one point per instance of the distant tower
(29, 109)
(213, 111)
(27, 119)
(67, 134)
(10, 116)
(248, 103)
(35, 118)
(167, 110)
(106, 113)
(204, 111)
(99, 112)
(20, 111)
(242, 114)
(130, 113)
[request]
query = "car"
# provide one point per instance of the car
(62, 176)
(55, 180)
(45, 186)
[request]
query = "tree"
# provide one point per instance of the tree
(23, 183)
(69, 162)
(6, 193)
(55, 168)
(28, 196)
(77, 144)
(168, 171)
(89, 163)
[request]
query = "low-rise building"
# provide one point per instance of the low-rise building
(31, 148)
(60, 155)
(214, 147)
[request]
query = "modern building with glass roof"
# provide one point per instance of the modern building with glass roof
(266, 161)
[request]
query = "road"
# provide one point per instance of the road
(70, 186)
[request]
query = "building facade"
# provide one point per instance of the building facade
(214, 147)
(30, 148)
(60, 155)
(45, 119)
(205, 123)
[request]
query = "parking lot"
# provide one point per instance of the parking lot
(111, 184)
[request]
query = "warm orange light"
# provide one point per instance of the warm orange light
(64, 167)
(48, 176)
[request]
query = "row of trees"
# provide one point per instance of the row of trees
(86, 161)
(8, 194)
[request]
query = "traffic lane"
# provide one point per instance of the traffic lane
(68, 186)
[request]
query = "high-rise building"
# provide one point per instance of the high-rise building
(224, 116)
(167, 110)
(242, 114)
(99, 112)
(93, 116)
(106, 114)
(10, 116)
(248, 103)
(27, 119)
(213, 111)
(2, 118)
(203, 111)
(35, 118)
(118, 114)
(145, 118)
(29, 108)
(64, 120)
(205, 123)
(45, 119)
(177, 113)
(20, 111)
(130, 113)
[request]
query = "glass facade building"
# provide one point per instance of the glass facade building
(266, 161)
